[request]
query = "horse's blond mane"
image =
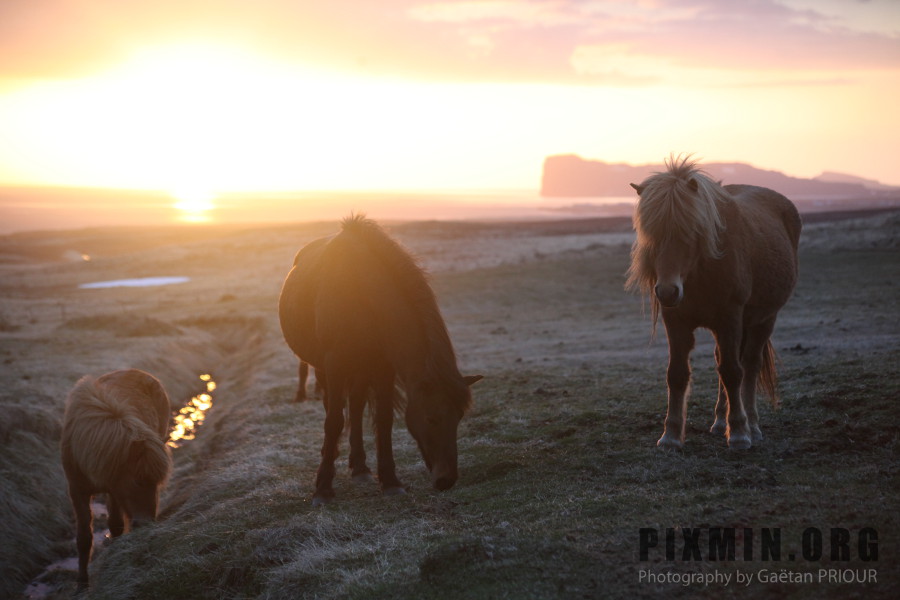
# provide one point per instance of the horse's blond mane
(101, 425)
(681, 202)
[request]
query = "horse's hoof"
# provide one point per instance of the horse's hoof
(739, 442)
(362, 478)
(321, 500)
(394, 491)
(718, 427)
(669, 444)
(755, 434)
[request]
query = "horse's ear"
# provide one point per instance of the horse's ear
(472, 379)
(638, 188)
(692, 183)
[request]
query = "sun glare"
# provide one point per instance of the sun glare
(194, 117)
(193, 203)
(201, 119)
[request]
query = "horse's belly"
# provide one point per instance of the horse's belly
(774, 279)
(295, 312)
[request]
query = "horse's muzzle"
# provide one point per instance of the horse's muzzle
(443, 483)
(443, 479)
(668, 294)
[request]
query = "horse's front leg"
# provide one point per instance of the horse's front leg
(731, 375)
(334, 425)
(678, 379)
(359, 471)
(84, 540)
(384, 422)
(115, 520)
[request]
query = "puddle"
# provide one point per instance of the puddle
(192, 414)
(188, 419)
(138, 282)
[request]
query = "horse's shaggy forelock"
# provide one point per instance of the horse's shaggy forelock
(669, 208)
(412, 280)
(100, 427)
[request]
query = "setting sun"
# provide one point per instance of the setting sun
(194, 203)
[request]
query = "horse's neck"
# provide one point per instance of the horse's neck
(432, 360)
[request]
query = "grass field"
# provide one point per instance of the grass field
(559, 472)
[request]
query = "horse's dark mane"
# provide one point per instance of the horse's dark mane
(412, 283)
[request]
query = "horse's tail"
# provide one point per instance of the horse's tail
(768, 374)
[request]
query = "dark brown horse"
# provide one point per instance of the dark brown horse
(114, 441)
(358, 308)
(721, 258)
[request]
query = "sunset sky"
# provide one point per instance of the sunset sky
(202, 97)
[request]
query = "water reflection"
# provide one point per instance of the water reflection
(192, 414)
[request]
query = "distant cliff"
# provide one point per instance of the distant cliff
(572, 176)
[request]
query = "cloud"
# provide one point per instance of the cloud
(677, 40)
(562, 41)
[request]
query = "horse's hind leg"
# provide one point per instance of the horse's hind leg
(302, 376)
(755, 342)
(358, 468)
(678, 378)
(720, 424)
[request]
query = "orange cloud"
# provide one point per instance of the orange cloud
(492, 40)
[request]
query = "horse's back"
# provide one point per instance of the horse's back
(143, 393)
(348, 293)
(764, 204)
(120, 394)
(771, 226)
(105, 415)
(364, 289)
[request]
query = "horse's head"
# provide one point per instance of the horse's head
(677, 222)
(433, 413)
(142, 478)
(675, 259)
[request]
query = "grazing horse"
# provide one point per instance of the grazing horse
(114, 441)
(721, 258)
(358, 308)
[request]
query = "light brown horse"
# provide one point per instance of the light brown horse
(721, 258)
(114, 441)
(358, 308)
